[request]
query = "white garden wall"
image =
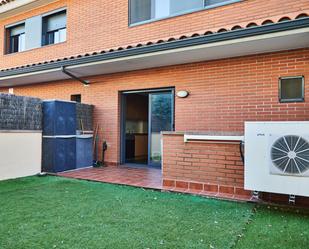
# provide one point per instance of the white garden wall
(20, 153)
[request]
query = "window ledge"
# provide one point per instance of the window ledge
(286, 101)
(132, 25)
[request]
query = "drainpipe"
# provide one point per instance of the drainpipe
(241, 150)
(84, 82)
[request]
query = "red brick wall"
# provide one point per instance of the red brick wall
(213, 167)
(96, 25)
(223, 93)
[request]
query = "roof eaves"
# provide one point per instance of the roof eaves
(159, 46)
(3, 2)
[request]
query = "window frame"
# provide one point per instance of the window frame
(77, 97)
(9, 38)
(301, 99)
(45, 33)
(227, 2)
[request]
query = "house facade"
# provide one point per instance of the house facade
(157, 71)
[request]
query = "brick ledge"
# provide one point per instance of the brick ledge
(207, 189)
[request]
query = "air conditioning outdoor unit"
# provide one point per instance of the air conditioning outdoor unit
(277, 157)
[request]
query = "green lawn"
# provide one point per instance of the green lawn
(51, 212)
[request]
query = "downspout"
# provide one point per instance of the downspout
(84, 82)
(241, 150)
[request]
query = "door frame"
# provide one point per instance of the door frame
(152, 164)
(123, 119)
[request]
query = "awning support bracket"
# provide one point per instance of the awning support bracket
(65, 71)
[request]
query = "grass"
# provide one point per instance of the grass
(273, 228)
(51, 212)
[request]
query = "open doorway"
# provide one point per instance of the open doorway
(145, 114)
(136, 128)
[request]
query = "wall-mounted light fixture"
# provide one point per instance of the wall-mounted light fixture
(182, 94)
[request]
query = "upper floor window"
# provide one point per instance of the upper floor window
(15, 37)
(145, 10)
(54, 28)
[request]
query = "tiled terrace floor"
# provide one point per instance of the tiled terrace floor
(139, 177)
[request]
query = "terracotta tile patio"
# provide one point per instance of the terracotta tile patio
(141, 177)
(138, 177)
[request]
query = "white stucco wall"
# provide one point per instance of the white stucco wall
(20, 154)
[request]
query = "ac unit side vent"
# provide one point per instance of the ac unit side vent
(290, 154)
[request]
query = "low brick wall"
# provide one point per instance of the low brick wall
(210, 167)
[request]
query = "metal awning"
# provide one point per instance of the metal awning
(262, 39)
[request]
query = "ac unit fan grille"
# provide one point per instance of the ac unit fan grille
(290, 154)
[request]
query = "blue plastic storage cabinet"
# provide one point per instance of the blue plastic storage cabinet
(84, 157)
(59, 118)
(59, 154)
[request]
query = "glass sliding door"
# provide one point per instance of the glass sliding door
(145, 114)
(161, 118)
